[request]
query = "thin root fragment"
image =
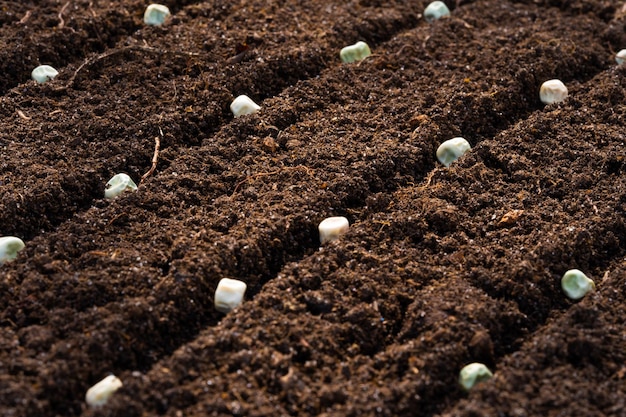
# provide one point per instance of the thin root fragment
(116, 218)
(60, 15)
(26, 17)
(155, 158)
(23, 116)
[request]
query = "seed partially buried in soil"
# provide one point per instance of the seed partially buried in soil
(356, 52)
(552, 91)
(576, 284)
(44, 73)
(243, 105)
(156, 14)
(229, 294)
(99, 394)
(332, 227)
(436, 10)
(472, 374)
(451, 150)
(119, 184)
(9, 247)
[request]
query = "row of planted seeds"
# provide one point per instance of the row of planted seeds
(230, 292)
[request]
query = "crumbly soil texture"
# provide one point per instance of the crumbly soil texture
(441, 267)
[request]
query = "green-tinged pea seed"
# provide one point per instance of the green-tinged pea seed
(44, 73)
(119, 184)
(356, 52)
(451, 150)
(156, 14)
(436, 10)
(9, 247)
(576, 284)
(472, 374)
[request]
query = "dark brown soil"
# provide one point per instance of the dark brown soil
(441, 266)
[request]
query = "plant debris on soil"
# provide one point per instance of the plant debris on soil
(441, 267)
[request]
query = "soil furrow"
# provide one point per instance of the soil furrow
(36, 34)
(584, 238)
(200, 94)
(39, 34)
(589, 347)
(390, 347)
(78, 191)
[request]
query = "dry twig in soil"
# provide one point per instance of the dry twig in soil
(155, 158)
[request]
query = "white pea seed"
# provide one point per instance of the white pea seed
(229, 294)
(119, 184)
(332, 227)
(620, 57)
(44, 73)
(451, 150)
(356, 52)
(99, 394)
(243, 105)
(576, 284)
(436, 10)
(472, 374)
(552, 91)
(156, 14)
(9, 247)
